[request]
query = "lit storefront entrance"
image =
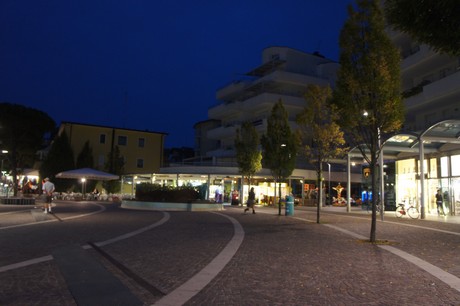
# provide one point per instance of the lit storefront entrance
(418, 183)
(442, 174)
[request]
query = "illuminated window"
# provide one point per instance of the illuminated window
(455, 165)
(444, 166)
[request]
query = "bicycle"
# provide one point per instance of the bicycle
(412, 211)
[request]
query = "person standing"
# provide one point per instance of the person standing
(235, 196)
(439, 200)
(48, 189)
(251, 201)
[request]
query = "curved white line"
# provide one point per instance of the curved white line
(195, 284)
(446, 277)
(101, 209)
(166, 217)
(50, 257)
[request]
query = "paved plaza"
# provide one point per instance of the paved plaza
(92, 253)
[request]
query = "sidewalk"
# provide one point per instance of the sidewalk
(359, 210)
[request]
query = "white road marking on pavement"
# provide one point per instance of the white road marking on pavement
(187, 290)
(134, 233)
(23, 264)
(442, 275)
(357, 236)
(101, 209)
(399, 223)
(49, 257)
(424, 227)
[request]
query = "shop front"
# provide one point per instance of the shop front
(440, 173)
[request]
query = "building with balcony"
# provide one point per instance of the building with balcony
(431, 91)
(430, 83)
(284, 74)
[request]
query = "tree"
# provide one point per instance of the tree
(324, 138)
(22, 134)
(85, 157)
(85, 160)
(115, 165)
(59, 158)
(280, 147)
(248, 155)
(368, 83)
(434, 23)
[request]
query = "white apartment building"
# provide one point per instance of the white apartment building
(431, 89)
(430, 84)
(284, 74)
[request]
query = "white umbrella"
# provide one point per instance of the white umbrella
(87, 173)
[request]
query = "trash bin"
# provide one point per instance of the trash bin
(289, 205)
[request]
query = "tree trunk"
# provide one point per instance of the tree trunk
(374, 198)
(320, 192)
(279, 197)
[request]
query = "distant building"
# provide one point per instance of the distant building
(178, 155)
(202, 143)
(142, 151)
(284, 74)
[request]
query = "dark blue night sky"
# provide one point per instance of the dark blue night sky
(152, 65)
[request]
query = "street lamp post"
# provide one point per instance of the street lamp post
(83, 181)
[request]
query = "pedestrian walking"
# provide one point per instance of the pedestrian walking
(439, 205)
(251, 201)
(48, 189)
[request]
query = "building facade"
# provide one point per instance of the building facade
(431, 91)
(284, 74)
(142, 151)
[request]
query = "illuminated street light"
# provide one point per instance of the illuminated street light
(83, 181)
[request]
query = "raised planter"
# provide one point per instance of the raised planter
(140, 205)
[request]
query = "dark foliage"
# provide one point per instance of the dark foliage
(158, 193)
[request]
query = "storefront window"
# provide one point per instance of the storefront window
(406, 185)
(455, 161)
(444, 166)
(433, 173)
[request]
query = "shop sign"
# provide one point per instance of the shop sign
(366, 172)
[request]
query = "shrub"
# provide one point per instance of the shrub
(158, 193)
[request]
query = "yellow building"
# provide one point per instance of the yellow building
(142, 151)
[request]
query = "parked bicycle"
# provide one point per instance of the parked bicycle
(411, 211)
